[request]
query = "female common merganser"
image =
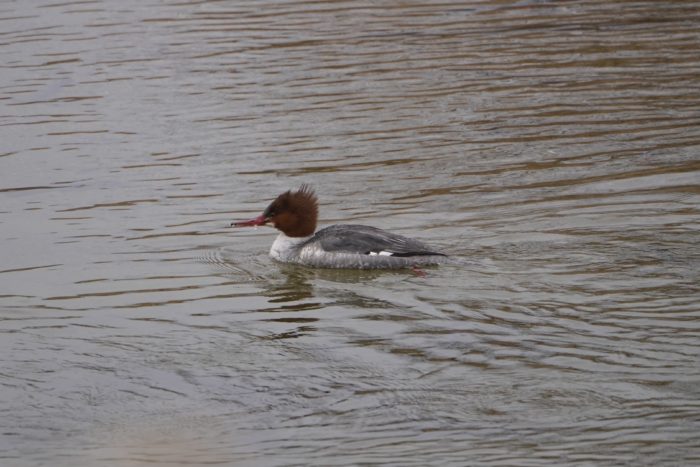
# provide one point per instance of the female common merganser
(337, 246)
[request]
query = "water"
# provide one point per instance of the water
(551, 147)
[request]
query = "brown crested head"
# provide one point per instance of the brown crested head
(294, 212)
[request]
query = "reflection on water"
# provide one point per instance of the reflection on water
(551, 147)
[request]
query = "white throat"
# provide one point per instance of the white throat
(286, 248)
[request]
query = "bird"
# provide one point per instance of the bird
(348, 246)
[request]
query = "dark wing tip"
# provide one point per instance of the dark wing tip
(408, 254)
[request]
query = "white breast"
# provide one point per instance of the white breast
(285, 248)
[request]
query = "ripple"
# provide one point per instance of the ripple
(550, 147)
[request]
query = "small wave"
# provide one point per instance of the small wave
(227, 261)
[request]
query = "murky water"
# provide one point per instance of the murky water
(552, 147)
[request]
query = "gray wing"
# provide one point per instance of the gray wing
(363, 239)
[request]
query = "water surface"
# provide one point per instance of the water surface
(551, 147)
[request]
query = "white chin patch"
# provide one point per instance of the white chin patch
(380, 253)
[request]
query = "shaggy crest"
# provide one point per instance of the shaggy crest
(294, 213)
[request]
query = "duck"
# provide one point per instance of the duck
(339, 246)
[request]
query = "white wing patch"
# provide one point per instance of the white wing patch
(380, 253)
